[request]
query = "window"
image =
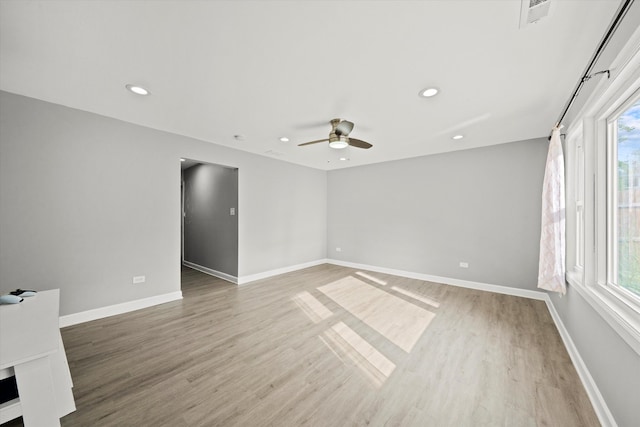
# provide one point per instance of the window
(603, 197)
(623, 140)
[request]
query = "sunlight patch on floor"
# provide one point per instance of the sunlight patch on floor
(372, 278)
(314, 309)
(343, 340)
(399, 321)
(415, 296)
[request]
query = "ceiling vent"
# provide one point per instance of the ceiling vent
(533, 10)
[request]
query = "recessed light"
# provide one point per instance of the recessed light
(284, 139)
(138, 90)
(457, 137)
(344, 159)
(182, 160)
(428, 92)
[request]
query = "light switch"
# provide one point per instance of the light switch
(232, 211)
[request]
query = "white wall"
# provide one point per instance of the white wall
(427, 214)
(88, 202)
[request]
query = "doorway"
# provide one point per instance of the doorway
(209, 208)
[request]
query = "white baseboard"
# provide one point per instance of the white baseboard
(112, 310)
(265, 274)
(526, 293)
(599, 405)
(211, 272)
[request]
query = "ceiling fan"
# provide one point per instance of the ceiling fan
(339, 136)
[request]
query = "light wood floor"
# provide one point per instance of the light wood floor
(326, 346)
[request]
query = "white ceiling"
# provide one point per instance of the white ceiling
(266, 69)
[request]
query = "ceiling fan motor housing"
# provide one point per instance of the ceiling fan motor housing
(337, 139)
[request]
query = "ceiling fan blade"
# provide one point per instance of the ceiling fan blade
(344, 128)
(359, 143)
(313, 142)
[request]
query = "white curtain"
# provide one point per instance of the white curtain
(552, 250)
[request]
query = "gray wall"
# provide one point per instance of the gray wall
(613, 364)
(617, 41)
(88, 202)
(481, 206)
(427, 214)
(210, 231)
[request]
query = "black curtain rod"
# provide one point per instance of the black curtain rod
(622, 11)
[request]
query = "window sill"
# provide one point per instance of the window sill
(623, 320)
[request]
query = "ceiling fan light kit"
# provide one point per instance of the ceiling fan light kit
(339, 143)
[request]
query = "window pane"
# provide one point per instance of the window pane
(579, 197)
(628, 210)
(579, 236)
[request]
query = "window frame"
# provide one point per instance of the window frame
(575, 203)
(591, 128)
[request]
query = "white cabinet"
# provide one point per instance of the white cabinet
(31, 348)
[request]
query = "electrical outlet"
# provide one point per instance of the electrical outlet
(232, 211)
(139, 279)
(464, 264)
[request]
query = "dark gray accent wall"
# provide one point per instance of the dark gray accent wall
(87, 202)
(210, 231)
(428, 214)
